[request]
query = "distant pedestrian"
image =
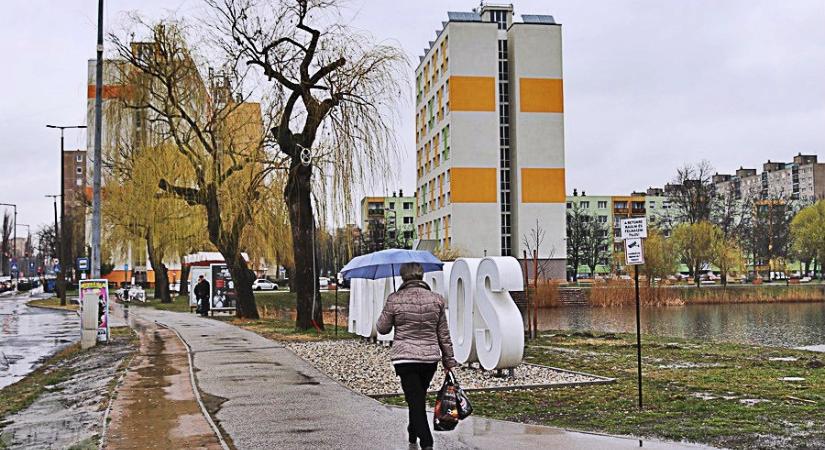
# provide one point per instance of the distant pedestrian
(202, 296)
(422, 338)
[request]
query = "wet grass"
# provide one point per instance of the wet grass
(719, 394)
(269, 300)
(53, 303)
(21, 394)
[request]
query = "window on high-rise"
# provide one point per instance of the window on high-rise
(500, 18)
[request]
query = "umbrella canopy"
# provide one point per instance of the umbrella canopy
(387, 263)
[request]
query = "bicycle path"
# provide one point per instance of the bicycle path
(264, 396)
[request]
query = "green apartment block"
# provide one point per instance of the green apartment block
(389, 222)
(611, 209)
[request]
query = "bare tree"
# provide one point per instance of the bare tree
(692, 192)
(338, 88)
(6, 243)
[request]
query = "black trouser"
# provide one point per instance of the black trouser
(415, 379)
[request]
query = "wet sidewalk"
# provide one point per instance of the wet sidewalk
(155, 406)
(264, 396)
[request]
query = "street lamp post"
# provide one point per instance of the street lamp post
(55, 246)
(61, 255)
(14, 243)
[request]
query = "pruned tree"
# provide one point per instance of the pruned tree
(692, 192)
(225, 172)
(337, 89)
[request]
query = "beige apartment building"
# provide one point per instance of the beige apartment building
(490, 135)
(801, 179)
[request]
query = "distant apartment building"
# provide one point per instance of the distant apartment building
(611, 209)
(389, 222)
(75, 200)
(801, 179)
(490, 135)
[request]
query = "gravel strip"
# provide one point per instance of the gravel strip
(366, 368)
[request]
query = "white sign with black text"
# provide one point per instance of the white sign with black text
(633, 254)
(634, 228)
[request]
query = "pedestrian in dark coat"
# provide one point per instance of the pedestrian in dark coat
(202, 296)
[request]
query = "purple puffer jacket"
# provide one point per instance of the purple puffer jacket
(420, 321)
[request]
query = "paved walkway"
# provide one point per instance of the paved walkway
(267, 397)
(155, 407)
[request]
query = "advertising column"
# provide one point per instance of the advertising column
(94, 301)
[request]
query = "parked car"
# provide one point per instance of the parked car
(262, 284)
(174, 287)
(323, 282)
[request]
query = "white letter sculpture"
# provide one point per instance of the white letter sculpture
(500, 332)
(485, 324)
(461, 312)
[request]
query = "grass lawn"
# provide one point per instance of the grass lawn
(54, 303)
(276, 309)
(724, 395)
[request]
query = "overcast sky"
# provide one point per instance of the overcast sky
(649, 85)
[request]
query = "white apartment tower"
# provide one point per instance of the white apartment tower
(490, 136)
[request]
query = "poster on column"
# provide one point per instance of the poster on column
(224, 295)
(99, 290)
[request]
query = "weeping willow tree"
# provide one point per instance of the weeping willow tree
(336, 93)
(140, 216)
(222, 171)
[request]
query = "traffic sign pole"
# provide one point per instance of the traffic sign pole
(638, 331)
(634, 230)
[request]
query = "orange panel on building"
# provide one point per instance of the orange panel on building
(472, 93)
(473, 185)
(541, 95)
(542, 185)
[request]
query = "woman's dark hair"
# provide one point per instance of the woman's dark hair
(412, 271)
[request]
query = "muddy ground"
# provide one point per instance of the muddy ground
(70, 413)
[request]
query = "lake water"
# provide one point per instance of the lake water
(27, 335)
(774, 324)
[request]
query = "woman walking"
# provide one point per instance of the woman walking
(422, 338)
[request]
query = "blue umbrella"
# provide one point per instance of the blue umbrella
(386, 263)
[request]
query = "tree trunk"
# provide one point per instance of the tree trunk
(162, 283)
(302, 224)
(242, 278)
(161, 272)
(184, 280)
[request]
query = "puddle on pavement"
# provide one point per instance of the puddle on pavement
(29, 335)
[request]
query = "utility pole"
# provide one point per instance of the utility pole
(98, 151)
(14, 242)
(56, 244)
(61, 250)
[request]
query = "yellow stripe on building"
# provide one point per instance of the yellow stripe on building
(473, 185)
(472, 93)
(541, 95)
(542, 185)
